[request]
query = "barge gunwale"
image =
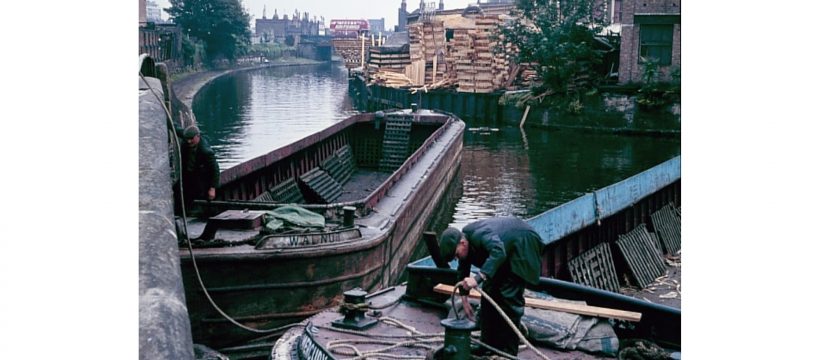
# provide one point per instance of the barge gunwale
(424, 117)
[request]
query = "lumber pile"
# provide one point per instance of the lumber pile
(481, 63)
(559, 306)
(350, 49)
(385, 58)
(427, 52)
(390, 79)
(468, 53)
(528, 75)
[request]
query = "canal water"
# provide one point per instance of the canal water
(505, 171)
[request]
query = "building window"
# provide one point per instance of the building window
(656, 42)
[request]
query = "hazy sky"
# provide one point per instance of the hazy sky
(337, 9)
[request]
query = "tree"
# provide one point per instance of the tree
(222, 25)
(559, 36)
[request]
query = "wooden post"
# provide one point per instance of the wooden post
(435, 65)
(431, 241)
(363, 38)
(524, 118)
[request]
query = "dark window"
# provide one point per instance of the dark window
(656, 42)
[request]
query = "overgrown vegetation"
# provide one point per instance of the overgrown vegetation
(270, 50)
(654, 93)
(559, 35)
(221, 25)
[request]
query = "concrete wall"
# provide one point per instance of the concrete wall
(164, 328)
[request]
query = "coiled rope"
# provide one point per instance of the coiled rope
(185, 223)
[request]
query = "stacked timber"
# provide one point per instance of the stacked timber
(390, 79)
(350, 49)
(427, 52)
(388, 58)
(482, 61)
(527, 76)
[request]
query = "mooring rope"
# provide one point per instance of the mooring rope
(419, 340)
(185, 223)
(509, 322)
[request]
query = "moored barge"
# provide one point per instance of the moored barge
(374, 178)
(624, 236)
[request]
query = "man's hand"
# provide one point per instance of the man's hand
(211, 193)
(468, 283)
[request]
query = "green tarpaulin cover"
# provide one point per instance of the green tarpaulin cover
(292, 217)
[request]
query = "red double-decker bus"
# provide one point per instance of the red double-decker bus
(343, 28)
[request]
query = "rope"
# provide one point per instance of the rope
(185, 225)
(497, 351)
(419, 340)
(455, 310)
(509, 322)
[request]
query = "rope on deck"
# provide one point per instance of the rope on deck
(418, 340)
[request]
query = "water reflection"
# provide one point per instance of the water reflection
(510, 173)
(251, 113)
(505, 171)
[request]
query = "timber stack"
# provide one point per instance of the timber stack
(427, 47)
(465, 52)
(478, 66)
(383, 58)
(350, 49)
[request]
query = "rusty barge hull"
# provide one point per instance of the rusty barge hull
(269, 288)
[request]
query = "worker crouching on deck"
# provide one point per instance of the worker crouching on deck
(200, 171)
(508, 252)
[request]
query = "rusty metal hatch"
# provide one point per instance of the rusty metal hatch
(322, 188)
(667, 225)
(595, 268)
(642, 257)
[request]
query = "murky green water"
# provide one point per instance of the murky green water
(249, 113)
(505, 171)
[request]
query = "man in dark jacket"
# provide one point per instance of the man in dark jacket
(508, 252)
(200, 171)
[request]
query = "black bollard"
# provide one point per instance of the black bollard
(349, 213)
(456, 339)
(354, 318)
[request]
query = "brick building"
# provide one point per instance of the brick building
(163, 42)
(649, 29)
(276, 29)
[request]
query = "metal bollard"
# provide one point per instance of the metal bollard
(349, 213)
(354, 317)
(456, 339)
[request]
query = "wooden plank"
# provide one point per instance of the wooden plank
(559, 306)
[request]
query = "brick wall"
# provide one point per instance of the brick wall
(630, 70)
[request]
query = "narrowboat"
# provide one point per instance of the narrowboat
(613, 253)
(373, 180)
